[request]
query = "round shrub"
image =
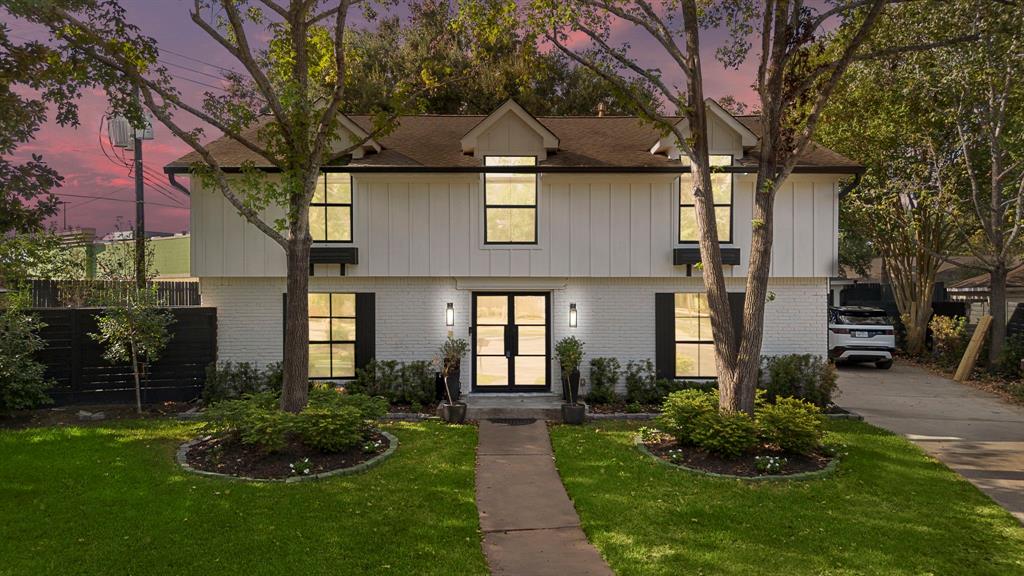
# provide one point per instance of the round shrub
(791, 424)
(330, 429)
(803, 376)
(370, 407)
(255, 419)
(728, 434)
(683, 413)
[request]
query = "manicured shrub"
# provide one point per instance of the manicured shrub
(369, 407)
(604, 376)
(949, 339)
(684, 411)
(398, 382)
(1010, 357)
(416, 383)
(377, 378)
(332, 421)
(255, 418)
(230, 381)
(641, 382)
(22, 384)
(727, 434)
(331, 428)
(790, 424)
(803, 376)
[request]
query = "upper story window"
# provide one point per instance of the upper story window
(721, 193)
(330, 211)
(510, 202)
(695, 344)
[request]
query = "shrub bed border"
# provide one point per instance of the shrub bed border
(849, 415)
(182, 459)
(815, 475)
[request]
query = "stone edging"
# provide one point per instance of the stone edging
(409, 416)
(182, 459)
(826, 471)
(623, 416)
(849, 415)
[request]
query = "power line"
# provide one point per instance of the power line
(180, 55)
(108, 199)
(183, 67)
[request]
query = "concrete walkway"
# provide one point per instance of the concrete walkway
(972, 432)
(530, 526)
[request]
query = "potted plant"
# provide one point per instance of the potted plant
(569, 352)
(448, 362)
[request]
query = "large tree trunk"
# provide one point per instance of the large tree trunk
(749, 358)
(296, 349)
(997, 308)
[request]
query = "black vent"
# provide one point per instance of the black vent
(513, 421)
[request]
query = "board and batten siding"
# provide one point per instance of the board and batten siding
(588, 226)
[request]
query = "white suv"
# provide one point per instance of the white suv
(860, 334)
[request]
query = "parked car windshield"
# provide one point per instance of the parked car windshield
(864, 318)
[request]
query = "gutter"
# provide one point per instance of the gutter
(854, 170)
(177, 185)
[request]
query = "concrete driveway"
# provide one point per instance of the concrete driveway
(972, 432)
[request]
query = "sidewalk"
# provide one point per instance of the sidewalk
(972, 432)
(530, 526)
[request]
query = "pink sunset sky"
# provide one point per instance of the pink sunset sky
(100, 192)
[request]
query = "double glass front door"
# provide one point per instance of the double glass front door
(511, 338)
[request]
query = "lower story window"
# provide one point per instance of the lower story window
(695, 346)
(332, 335)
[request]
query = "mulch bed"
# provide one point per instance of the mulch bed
(743, 466)
(229, 456)
(68, 415)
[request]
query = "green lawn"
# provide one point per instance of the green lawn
(110, 500)
(889, 510)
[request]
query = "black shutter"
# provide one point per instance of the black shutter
(665, 335)
(736, 300)
(366, 322)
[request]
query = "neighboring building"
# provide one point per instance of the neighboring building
(170, 252)
(512, 221)
(975, 291)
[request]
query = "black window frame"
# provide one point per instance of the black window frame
(325, 205)
(730, 205)
(331, 341)
(675, 342)
(534, 206)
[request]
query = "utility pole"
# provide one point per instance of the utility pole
(140, 215)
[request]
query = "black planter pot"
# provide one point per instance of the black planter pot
(571, 383)
(454, 386)
(454, 413)
(574, 414)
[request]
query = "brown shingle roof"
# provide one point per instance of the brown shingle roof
(1014, 279)
(433, 141)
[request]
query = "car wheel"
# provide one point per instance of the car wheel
(884, 364)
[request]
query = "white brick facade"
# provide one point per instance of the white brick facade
(615, 315)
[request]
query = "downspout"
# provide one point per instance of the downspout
(177, 185)
(850, 186)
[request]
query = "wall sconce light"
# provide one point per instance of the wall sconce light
(449, 315)
(572, 315)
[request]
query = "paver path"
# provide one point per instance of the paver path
(971, 431)
(530, 526)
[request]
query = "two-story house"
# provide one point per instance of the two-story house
(513, 231)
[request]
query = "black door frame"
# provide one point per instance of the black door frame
(510, 337)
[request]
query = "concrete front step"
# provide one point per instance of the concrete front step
(537, 406)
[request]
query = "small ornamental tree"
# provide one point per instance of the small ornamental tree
(134, 331)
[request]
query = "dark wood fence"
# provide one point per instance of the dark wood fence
(75, 361)
(77, 293)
